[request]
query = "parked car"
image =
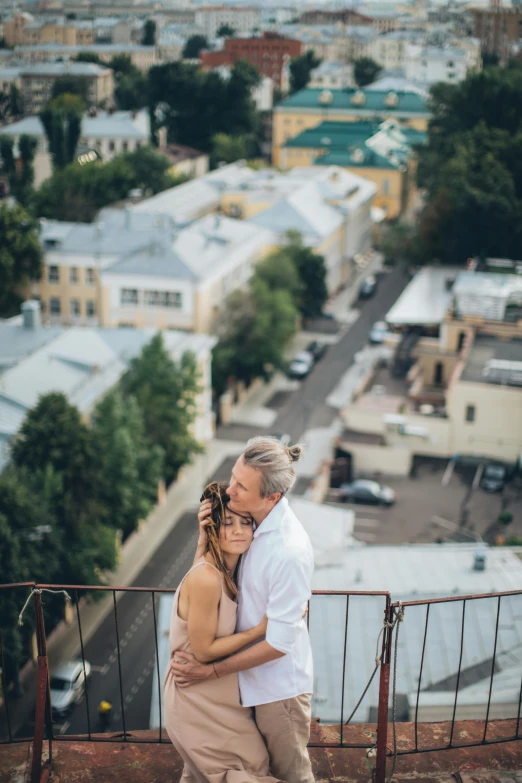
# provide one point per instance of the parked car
(68, 683)
(368, 287)
(284, 437)
(493, 478)
(301, 365)
(370, 492)
(378, 332)
(317, 349)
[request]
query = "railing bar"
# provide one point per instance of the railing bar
(83, 664)
(119, 665)
(519, 705)
(492, 670)
(4, 689)
(458, 672)
(478, 744)
(157, 661)
(448, 599)
(420, 675)
(344, 665)
(133, 589)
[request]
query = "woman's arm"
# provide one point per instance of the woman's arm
(204, 597)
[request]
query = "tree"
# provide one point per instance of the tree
(20, 174)
(225, 31)
(301, 69)
(131, 84)
(71, 85)
(311, 271)
(87, 57)
(62, 122)
(365, 71)
(20, 256)
(149, 33)
(129, 468)
(279, 272)
(193, 46)
(253, 329)
(227, 149)
(10, 105)
(166, 392)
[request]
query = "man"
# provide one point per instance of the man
(275, 675)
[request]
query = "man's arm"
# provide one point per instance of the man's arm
(187, 670)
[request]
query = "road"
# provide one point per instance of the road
(306, 407)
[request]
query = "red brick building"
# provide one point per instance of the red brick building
(269, 54)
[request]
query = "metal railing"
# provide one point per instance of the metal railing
(330, 609)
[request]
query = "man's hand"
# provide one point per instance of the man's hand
(187, 670)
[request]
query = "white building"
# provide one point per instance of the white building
(84, 364)
(332, 76)
(433, 64)
(241, 19)
(389, 49)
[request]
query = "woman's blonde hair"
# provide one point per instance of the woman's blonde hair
(216, 492)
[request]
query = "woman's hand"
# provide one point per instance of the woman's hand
(204, 519)
(261, 627)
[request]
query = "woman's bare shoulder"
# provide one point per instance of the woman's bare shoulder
(204, 577)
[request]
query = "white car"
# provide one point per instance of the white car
(301, 365)
(378, 332)
(68, 683)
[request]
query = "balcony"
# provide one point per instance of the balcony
(378, 665)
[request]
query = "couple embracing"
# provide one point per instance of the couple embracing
(238, 688)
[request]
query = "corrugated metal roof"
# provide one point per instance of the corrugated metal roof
(425, 299)
(375, 101)
(119, 125)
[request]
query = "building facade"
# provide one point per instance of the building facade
(37, 83)
(497, 27)
(241, 19)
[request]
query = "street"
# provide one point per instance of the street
(304, 408)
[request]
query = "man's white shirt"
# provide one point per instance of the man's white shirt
(275, 579)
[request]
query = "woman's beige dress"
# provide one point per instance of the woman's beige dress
(216, 737)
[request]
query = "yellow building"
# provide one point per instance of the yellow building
(381, 153)
(311, 107)
(22, 30)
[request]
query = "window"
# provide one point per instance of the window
(386, 187)
(163, 299)
(75, 308)
(112, 146)
(54, 274)
(125, 146)
(91, 308)
(89, 276)
(54, 305)
(73, 275)
(470, 413)
(129, 296)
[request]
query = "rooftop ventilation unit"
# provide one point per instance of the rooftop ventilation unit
(503, 371)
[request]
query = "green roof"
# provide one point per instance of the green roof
(369, 159)
(374, 101)
(334, 134)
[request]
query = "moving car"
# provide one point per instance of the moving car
(301, 365)
(316, 349)
(369, 492)
(368, 287)
(68, 686)
(493, 478)
(378, 332)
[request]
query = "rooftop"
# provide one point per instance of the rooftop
(495, 361)
(357, 101)
(105, 125)
(61, 69)
(426, 298)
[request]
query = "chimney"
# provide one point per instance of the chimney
(32, 314)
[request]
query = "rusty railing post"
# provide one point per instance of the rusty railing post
(43, 698)
(384, 693)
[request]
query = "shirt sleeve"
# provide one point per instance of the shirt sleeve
(287, 600)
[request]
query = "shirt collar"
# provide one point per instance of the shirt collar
(273, 520)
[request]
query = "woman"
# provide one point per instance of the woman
(216, 737)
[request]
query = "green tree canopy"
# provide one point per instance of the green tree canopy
(149, 33)
(20, 173)
(225, 31)
(301, 68)
(166, 392)
(129, 468)
(194, 45)
(227, 149)
(62, 122)
(10, 105)
(88, 57)
(365, 71)
(20, 256)
(72, 85)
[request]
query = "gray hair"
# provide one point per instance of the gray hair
(274, 461)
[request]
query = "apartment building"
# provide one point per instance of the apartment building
(311, 107)
(432, 64)
(497, 27)
(240, 18)
(10, 77)
(344, 16)
(143, 57)
(390, 49)
(270, 54)
(332, 76)
(37, 83)
(24, 30)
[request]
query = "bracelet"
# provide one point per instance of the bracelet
(215, 671)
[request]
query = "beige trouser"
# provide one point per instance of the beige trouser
(285, 726)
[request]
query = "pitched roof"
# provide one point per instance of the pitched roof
(118, 125)
(342, 100)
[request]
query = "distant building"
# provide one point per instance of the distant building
(385, 21)
(270, 54)
(37, 83)
(382, 153)
(185, 161)
(432, 64)
(310, 107)
(262, 93)
(390, 49)
(332, 76)
(345, 16)
(143, 57)
(109, 134)
(497, 27)
(240, 18)
(24, 30)
(84, 364)
(10, 77)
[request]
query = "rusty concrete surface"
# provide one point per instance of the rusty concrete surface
(136, 762)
